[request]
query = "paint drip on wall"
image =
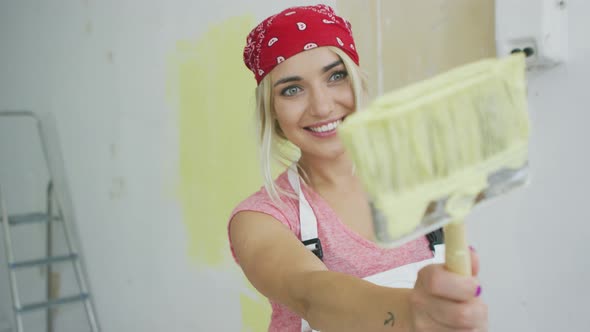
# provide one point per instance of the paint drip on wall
(214, 94)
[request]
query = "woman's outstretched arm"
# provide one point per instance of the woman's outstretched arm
(282, 269)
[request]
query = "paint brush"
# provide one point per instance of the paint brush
(427, 153)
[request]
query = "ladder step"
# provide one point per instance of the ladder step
(52, 303)
(29, 218)
(43, 261)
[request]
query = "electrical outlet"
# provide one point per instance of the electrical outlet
(537, 27)
(527, 45)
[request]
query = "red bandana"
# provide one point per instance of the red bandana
(294, 30)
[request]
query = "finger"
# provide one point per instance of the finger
(429, 325)
(471, 315)
(435, 280)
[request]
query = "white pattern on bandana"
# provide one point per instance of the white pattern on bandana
(309, 46)
(272, 41)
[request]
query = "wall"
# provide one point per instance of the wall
(111, 74)
(536, 275)
(532, 241)
(401, 42)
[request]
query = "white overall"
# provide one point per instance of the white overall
(400, 277)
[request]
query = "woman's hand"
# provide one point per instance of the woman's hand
(445, 301)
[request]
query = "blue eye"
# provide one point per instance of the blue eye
(290, 91)
(339, 75)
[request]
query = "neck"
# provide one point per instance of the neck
(327, 172)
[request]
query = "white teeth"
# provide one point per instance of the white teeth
(327, 127)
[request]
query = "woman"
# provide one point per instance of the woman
(305, 239)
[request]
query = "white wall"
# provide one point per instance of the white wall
(100, 68)
(534, 243)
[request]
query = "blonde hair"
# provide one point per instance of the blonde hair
(273, 143)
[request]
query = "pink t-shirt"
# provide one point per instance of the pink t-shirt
(344, 250)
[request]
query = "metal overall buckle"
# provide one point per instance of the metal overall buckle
(317, 248)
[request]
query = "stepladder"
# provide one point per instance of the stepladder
(43, 267)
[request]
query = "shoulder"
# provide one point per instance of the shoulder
(286, 210)
(257, 213)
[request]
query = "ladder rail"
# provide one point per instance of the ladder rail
(50, 312)
(80, 271)
(40, 131)
(10, 259)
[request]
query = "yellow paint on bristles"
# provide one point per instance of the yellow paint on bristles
(438, 137)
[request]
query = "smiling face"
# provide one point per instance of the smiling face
(311, 95)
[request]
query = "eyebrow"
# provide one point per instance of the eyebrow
(298, 78)
(332, 65)
(287, 80)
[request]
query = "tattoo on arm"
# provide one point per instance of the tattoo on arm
(390, 319)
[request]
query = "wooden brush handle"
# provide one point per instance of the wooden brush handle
(457, 253)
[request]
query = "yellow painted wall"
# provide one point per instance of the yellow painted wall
(214, 94)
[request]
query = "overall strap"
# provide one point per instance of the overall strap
(307, 220)
(435, 237)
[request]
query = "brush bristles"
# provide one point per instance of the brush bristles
(458, 126)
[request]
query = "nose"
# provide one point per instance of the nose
(321, 102)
